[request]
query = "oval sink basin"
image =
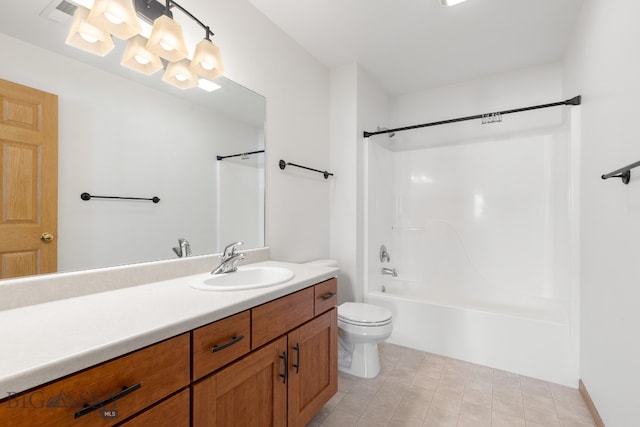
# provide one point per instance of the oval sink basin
(244, 278)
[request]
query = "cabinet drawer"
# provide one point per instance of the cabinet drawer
(107, 393)
(173, 412)
(326, 295)
(277, 317)
(221, 342)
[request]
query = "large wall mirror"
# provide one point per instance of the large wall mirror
(125, 134)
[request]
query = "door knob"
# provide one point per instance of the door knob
(46, 237)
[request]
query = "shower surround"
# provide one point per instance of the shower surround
(480, 233)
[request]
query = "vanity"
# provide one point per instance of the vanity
(164, 353)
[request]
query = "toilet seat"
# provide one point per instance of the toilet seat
(361, 314)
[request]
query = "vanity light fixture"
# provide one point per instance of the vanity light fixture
(207, 61)
(117, 17)
(166, 40)
(180, 75)
(167, 34)
(85, 36)
(92, 30)
(138, 58)
(451, 2)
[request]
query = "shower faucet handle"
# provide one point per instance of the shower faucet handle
(384, 255)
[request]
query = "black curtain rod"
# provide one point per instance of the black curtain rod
(87, 196)
(624, 173)
(240, 154)
(576, 100)
(284, 164)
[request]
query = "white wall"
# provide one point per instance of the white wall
(261, 57)
(603, 64)
(357, 104)
(509, 90)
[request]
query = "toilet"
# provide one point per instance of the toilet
(360, 328)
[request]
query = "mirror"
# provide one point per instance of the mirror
(126, 134)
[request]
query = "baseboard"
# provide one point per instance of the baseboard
(590, 405)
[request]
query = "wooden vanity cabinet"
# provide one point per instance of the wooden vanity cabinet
(250, 392)
(172, 412)
(313, 367)
(271, 365)
(220, 343)
(105, 394)
(286, 381)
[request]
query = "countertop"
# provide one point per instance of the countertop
(43, 342)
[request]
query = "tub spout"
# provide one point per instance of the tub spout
(389, 271)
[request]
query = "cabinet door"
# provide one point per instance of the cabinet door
(313, 367)
(251, 392)
(173, 412)
(107, 393)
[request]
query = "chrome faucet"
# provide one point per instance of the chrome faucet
(390, 271)
(229, 259)
(183, 249)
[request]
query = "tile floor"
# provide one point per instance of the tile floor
(422, 389)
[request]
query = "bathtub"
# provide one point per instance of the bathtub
(527, 335)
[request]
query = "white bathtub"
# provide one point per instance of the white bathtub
(529, 336)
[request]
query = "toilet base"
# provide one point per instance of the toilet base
(364, 358)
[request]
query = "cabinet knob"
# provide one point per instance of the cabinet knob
(46, 237)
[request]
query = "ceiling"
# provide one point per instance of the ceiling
(410, 45)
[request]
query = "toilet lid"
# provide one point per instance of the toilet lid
(363, 314)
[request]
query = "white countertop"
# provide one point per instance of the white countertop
(43, 342)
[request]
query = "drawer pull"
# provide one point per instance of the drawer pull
(297, 364)
(88, 409)
(284, 376)
(328, 296)
(229, 343)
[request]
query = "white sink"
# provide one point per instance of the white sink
(247, 277)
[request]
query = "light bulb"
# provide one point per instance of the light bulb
(113, 19)
(207, 65)
(141, 59)
(166, 46)
(88, 38)
(181, 77)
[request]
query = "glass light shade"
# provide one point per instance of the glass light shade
(86, 36)
(207, 61)
(180, 75)
(166, 40)
(117, 17)
(138, 58)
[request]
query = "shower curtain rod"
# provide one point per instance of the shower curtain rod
(576, 100)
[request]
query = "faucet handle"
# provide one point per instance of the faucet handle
(230, 249)
(384, 254)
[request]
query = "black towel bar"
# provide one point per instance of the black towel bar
(623, 173)
(87, 196)
(284, 164)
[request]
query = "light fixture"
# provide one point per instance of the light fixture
(207, 61)
(85, 36)
(180, 75)
(166, 39)
(118, 17)
(208, 85)
(129, 20)
(451, 2)
(138, 58)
